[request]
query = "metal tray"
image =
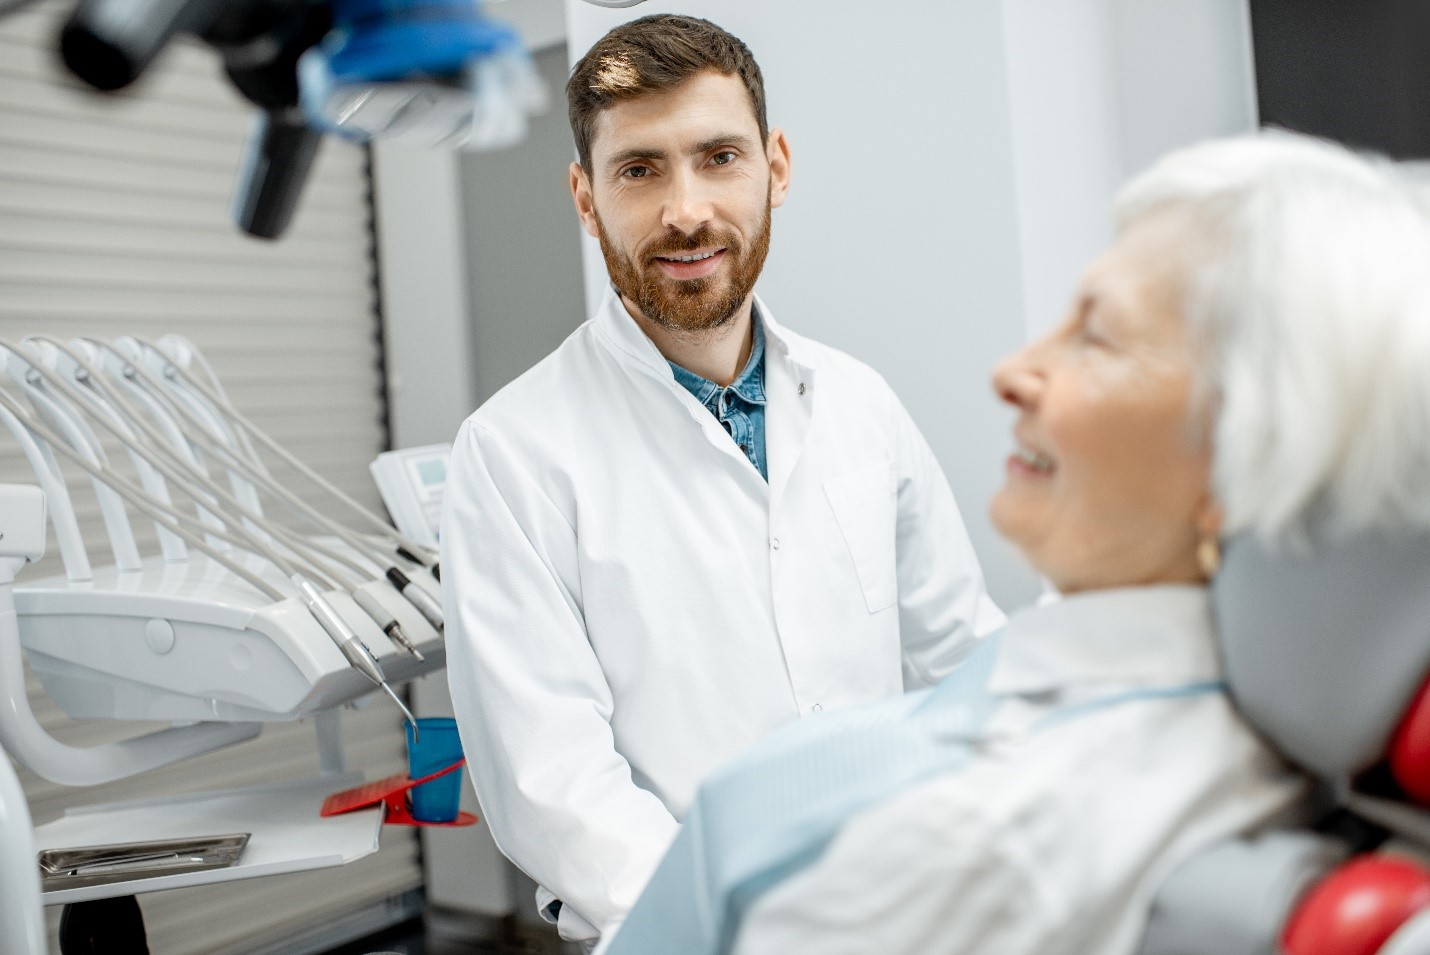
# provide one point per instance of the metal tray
(123, 861)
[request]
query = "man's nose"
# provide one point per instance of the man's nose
(687, 204)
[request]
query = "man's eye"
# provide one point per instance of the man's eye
(635, 172)
(723, 158)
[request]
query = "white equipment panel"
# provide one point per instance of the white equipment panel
(411, 482)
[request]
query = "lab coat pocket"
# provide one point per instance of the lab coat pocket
(864, 504)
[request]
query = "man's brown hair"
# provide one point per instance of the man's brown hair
(652, 55)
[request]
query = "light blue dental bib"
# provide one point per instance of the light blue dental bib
(772, 811)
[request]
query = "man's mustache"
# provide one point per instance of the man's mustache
(677, 243)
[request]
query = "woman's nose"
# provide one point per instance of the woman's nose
(1016, 379)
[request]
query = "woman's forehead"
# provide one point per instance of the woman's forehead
(1148, 265)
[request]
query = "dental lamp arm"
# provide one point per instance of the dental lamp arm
(276, 163)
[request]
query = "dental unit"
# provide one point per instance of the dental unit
(237, 620)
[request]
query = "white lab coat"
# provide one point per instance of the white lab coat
(629, 603)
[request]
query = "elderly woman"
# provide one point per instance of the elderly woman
(1249, 355)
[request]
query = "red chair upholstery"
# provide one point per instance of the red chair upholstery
(1358, 907)
(1410, 748)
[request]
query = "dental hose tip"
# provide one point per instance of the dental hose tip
(397, 635)
(406, 713)
(347, 642)
(418, 597)
(384, 619)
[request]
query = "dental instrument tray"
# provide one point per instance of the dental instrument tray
(186, 641)
(121, 862)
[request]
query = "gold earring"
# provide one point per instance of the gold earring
(1209, 556)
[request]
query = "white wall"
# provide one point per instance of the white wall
(1098, 89)
(432, 342)
(454, 334)
(541, 23)
(426, 320)
(953, 168)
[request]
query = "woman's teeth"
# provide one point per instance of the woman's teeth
(1034, 459)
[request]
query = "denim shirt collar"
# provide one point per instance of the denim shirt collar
(624, 336)
(750, 386)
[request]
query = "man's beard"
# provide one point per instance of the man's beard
(689, 305)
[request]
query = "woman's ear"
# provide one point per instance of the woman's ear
(1209, 519)
(1209, 525)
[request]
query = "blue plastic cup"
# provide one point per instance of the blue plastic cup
(436, 747)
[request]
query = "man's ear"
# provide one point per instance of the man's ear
(585, 204)
(777, 152)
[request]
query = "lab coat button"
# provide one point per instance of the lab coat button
(775, 543)
(817, 708)
(801, 387)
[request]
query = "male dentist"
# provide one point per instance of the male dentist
(688, 525)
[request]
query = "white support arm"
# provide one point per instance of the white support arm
(22, 523)
(22, 930)
(24, 738)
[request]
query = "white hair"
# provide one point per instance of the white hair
(1313, 303)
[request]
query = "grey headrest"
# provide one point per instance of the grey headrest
(1324, 649)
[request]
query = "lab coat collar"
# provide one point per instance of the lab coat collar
(1133, 636)
(789, 380)
(622, 332)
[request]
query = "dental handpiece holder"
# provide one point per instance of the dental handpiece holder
(181, 643)
(172, 642)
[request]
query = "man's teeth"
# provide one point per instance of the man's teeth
(1034, 459)
(689, 258)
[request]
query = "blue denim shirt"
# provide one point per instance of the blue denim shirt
(740, 407)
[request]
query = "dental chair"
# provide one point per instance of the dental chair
(1327, 654)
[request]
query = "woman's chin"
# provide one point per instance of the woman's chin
(1008, 515)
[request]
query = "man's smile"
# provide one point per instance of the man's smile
(690, 265)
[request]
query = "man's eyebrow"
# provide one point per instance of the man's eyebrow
(639, 152)
(737, 140)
